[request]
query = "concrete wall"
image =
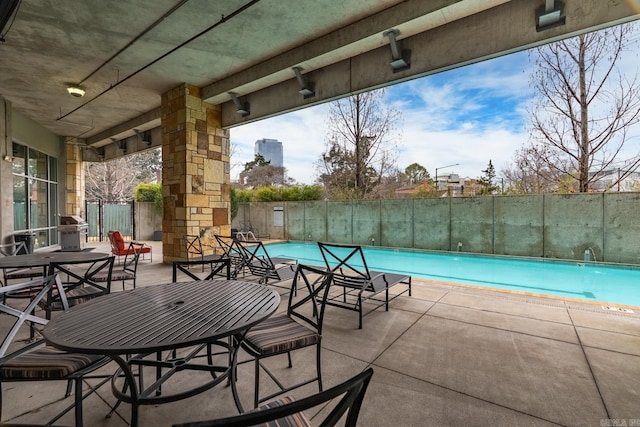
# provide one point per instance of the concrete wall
(147, 220)
(551, 226)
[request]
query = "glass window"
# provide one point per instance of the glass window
(37, 164)
(19, 159)
(19, 203)
(35, 204)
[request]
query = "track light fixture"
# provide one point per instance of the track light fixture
(242, 106)
(121, 144)
(550, 15)
(75, 90)
(306, 88)
(401, 57)
(144, 136)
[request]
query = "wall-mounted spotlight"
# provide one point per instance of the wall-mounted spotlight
(401, 57)
(75, 90)
(241, 105)
(306, 87)
(144, 136)
(550, 15)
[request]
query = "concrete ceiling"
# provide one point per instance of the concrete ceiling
(126, 54)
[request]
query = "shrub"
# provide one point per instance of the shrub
(149, 193)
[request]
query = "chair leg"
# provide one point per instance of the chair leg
(319, 366)
(69, 385)
(257, 389)
(78, 408)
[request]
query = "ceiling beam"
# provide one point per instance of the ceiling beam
(505, 29)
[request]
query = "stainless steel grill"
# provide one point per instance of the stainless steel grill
(73, 230)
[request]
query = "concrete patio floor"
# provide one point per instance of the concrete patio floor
(446, 356)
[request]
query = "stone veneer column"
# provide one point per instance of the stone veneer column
(195, 171)
(74, 181)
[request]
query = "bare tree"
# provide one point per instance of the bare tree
(115, 180)
(265, 176)
(361, 145)
(584, 106)
(530, 174)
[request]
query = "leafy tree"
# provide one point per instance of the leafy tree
(416, 173)
(234, 202)
(360, 147)
(487, 180)
(258, 160)
(584, 105)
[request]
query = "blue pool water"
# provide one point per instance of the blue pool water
(588, 281)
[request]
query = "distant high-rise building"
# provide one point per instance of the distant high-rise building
(271, 150)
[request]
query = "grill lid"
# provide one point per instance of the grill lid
(71, 220)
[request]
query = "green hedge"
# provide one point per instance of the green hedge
(279, 194)
(149, 193)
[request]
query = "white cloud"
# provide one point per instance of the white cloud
(469, 116)
(302, 136)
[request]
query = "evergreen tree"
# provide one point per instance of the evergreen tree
(487, 180)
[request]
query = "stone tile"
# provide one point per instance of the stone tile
(429, 292)
(395, 399)
(380, 329)
(617, 375)
(508, 322)
(618, 342)
(544, 378)
(535, 308)
(596, 318)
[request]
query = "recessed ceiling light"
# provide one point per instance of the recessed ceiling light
(75, 90)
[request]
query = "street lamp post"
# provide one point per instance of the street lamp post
(442, 167)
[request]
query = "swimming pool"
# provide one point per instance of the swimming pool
(586, 281)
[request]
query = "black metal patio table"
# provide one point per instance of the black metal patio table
(43, 259)
(146, 321)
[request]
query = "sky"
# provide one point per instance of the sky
(466, 116)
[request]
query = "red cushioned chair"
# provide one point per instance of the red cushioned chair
(120, 248)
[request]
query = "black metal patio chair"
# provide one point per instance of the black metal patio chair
(37, 361)
(290, 412)
(257, 260)
(299, 327)
(127, 272)
(359, 284)
(195, 250)
(79, 281)
(231, 250)
(14, 249)
(220, 267)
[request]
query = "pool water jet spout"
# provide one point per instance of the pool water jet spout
(589, 254)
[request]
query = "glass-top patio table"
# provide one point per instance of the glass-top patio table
(173, 316)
